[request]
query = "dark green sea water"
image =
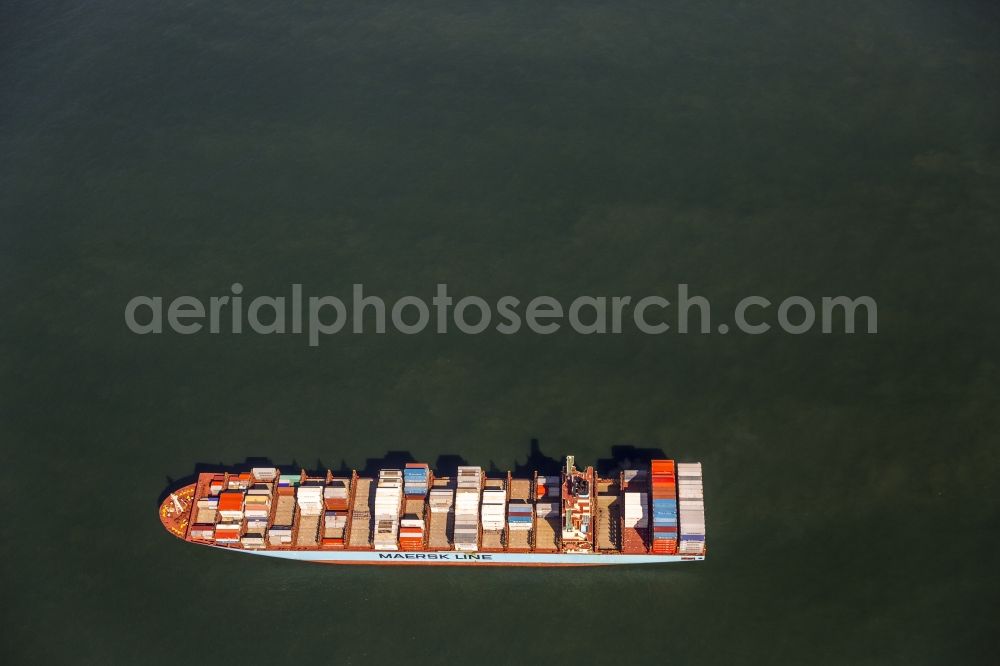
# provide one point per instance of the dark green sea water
(505, 148)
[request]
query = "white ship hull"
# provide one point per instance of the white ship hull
(466, 559)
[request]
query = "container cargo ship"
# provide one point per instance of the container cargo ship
(410, 516)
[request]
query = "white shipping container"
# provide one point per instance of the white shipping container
(264, 473)
(546, 510)
(469, 477)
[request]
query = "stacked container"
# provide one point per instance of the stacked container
(257, 509)
(493, 509)
(264, 474)
(253, 540)
(361, 518)
(334, 525)
(206, 510)
(692, 509)
(230, 505)
(411, 527)
(205, 532)
(280, 532)
(415, 479)
(664, 507)
(493, 514)
(289, 480)
(227, 532)
(547, 487)
(310, 499)
(388, 497)
(470, 481)
(336, 496)
(258, 502)
(635, 524)
(637, 510)
(230, 511)
(216, 484)
(239, 481)
(519, 516)
(547, 525)
(442, 501)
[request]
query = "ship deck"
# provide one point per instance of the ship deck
(209, 512)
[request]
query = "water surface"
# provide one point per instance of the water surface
(584, 148)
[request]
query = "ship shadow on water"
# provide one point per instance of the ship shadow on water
(627, 456)
(623, 456)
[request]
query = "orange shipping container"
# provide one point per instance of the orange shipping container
(231, 501)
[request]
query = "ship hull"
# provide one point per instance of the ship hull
(453, 558)
(349, 520)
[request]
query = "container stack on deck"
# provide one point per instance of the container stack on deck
(519, 512)
(231, 505)
(411, 530)
(609, 505)
(361, 516)
(280, 532)
(336, 496)
(493, 509)
(692, 509)
(470, 481)
(257, 507)
(442, 501)
(415, 479)
(216, 485)
(309, 498)
(205, 515)
(493, 513)
(635, 526)
(520, 515)
(230, 513)
(664, 507)
(388, 499)
(239, 481)
(548, 513)
(547, 525)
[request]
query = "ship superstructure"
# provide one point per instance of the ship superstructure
(652, 513)
(577, 535)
